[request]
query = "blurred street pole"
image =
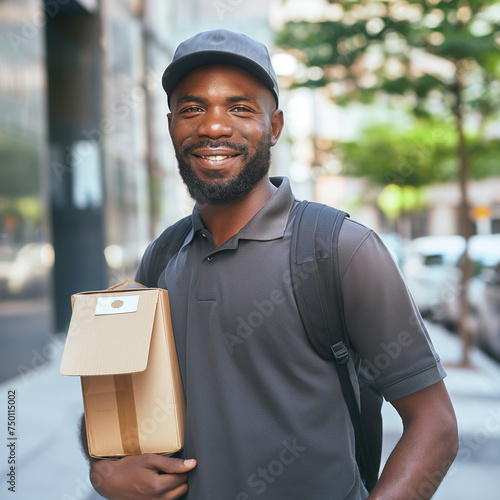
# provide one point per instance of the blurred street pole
(465, 225)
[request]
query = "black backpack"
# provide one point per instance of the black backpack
(314, 250)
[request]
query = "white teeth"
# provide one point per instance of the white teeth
(215, 158)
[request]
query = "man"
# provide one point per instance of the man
(265, 414)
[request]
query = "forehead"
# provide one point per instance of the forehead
(221, 80)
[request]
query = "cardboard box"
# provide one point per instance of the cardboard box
(121, 344)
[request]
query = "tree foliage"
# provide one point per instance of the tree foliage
(403, 47)
(409, 157)
(416, 156)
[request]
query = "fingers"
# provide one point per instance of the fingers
(174, 481)
(170, 465)
(176, 493)
(169, 486)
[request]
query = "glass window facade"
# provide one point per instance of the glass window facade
(26, 253)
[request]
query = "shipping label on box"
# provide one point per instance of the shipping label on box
(121, 344)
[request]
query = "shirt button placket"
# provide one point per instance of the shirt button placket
(207, 291)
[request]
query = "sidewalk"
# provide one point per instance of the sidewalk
(49, 463)
(475, 394)
(50, 466)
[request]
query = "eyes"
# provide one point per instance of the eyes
(241, 109)
(194, 110)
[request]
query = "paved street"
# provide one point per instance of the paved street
(23, 335)
(50, 466)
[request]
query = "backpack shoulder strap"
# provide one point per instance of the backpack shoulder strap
(315, 275)
(165, 247)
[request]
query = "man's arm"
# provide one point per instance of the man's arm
(141, 477)
(426, 450)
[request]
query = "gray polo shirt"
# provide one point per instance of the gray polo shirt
(265, 414)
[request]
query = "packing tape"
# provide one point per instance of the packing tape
(127, 416)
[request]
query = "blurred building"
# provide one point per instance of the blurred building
(87, 178)
(88, 175)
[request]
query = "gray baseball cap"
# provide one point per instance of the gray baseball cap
(220, 47)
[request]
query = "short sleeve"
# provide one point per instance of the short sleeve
(384, 325)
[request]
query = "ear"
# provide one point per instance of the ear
(169, 120)
(277, 123)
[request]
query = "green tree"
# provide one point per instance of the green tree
(433, 56)
(414, 156)
(408, 158)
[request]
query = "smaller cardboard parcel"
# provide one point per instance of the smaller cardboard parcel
(120, 342)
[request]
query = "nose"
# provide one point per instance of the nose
(215, 124)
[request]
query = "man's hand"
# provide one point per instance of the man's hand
(141, 477)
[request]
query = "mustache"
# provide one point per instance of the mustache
(215, 144)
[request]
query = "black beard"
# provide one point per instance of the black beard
(221, 192)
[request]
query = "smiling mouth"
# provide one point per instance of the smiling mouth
(216, 157)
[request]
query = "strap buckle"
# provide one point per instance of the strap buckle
(340, 352)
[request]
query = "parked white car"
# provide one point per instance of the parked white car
(28, 274)
(432, 270)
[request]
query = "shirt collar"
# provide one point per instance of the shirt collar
(268, 223)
